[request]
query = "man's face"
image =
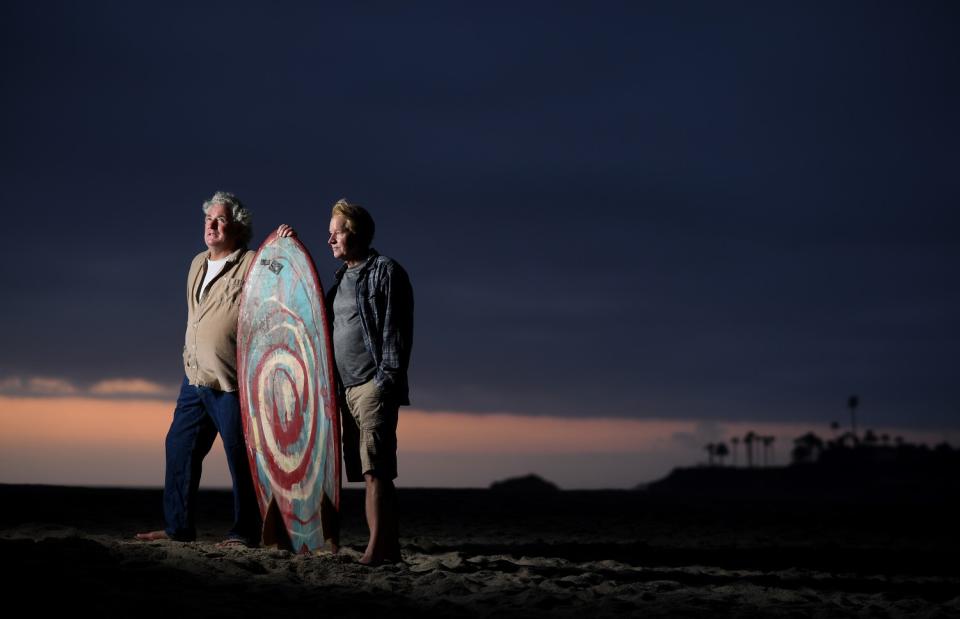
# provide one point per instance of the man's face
(341, 240)
(219, 231)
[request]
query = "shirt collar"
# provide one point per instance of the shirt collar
(234, 255)
(371, 256)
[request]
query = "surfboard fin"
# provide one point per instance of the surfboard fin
(330, 522)
(274, 531)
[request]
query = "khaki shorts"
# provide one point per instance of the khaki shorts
(369, 425)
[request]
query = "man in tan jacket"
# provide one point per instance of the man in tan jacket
(208, 404)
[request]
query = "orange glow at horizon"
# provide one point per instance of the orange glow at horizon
(100, 441)
(72, 421)
(90, 421)
(506, 433)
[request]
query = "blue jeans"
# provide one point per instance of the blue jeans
(201, 413)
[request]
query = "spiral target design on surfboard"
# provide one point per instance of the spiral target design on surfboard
(284, 391)
(287, 391)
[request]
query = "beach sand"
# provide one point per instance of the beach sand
(483, 553)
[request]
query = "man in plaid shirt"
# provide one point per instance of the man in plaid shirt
(371, 308)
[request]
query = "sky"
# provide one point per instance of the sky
(663, 223)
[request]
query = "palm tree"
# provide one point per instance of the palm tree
(711, 449)
(852, 404)
(735, 441)
(847, 437)
(807, 448)
(748, 445)
(722, 452)
(768, 449)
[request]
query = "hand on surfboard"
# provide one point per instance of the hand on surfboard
(285, 230)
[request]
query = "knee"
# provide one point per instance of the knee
(232, 435)
(175, 442)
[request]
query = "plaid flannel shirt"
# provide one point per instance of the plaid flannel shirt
(385, 305)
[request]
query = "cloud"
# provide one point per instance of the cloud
(131, 386)
(46, 386)
(37, 386)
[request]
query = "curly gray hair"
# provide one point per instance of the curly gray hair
(239, 214)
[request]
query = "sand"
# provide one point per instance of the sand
(487, 554)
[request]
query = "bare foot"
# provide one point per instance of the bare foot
(377, 560)
(151, 536)
(232, 542)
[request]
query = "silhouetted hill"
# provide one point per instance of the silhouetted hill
(525, 484)
(861, 473)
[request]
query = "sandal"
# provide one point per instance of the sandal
(231, 542)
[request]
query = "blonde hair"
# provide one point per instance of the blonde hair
(356, 219)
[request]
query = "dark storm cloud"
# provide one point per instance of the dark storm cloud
(727, 211)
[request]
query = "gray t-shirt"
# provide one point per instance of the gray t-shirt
(354, 361)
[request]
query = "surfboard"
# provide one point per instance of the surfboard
(288, 396)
